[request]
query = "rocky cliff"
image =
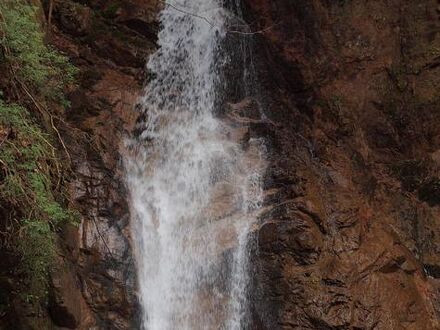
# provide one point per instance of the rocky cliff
(350, 236)
(109, 41)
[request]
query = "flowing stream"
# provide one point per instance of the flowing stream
(194, 184)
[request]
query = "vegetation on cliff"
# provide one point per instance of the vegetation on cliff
(32, 197)
(33, 63)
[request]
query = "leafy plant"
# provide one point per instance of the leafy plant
(27, 158)
(33, 62)
(30, 165)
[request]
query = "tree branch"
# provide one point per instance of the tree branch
(205, 19)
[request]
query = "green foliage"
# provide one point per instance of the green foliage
(26, 160)
(48, 207)
(34, 63)
(29, 143)
(37, 246)
(30, 168)
(11, 188)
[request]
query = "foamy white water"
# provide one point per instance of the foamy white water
(194, 190)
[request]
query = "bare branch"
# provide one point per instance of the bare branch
(254, 32)
(184, 11)
(189, 13)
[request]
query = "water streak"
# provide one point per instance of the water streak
(194, 189)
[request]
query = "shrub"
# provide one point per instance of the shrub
(26, 160)
(30, 168)
(34, 63)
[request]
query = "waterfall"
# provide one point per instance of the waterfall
(194, 187)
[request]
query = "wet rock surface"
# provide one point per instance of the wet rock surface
(94, 287)
(349, 235)
(350, 239)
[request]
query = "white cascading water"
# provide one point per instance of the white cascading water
(194, 190)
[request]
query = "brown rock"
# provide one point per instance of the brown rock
(354, 251)
(349, 232)
(74, 18)
(97, 288)
(67, 306)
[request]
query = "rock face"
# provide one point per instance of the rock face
(351, 236)
(97, 290)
